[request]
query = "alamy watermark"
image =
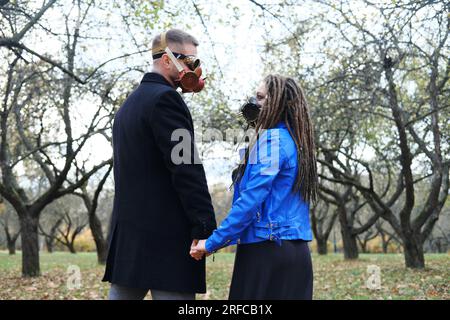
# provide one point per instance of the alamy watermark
(373, 281)
(73, 277)
(265, 151)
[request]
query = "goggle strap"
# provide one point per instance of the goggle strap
(176, 54)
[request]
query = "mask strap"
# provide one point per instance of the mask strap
(174, 60)
(160, 49)
(163, 40)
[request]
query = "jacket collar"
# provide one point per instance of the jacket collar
(155, 77)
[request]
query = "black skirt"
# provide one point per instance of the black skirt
(266, 271)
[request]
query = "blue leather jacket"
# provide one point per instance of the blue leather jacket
(264, 205)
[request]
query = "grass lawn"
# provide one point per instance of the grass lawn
(334, 278)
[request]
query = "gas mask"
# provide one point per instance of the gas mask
(250, 111)
(189, 79)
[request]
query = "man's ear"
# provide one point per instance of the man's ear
(165, 61)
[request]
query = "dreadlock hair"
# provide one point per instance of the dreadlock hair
(285, 102)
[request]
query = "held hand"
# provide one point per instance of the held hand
(198, 249)
(194, 254)
(197, 255)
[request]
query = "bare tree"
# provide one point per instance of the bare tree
(386, 235)
(50, 236)
(10, 227)
(322, 222)
(364, 238)
(380, 81)
(91, 203)
(68, 229)
(23, 142)
(379, 64)
(20, 20)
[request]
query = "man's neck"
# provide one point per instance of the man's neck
(155, 70)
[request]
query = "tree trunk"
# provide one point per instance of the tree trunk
(349, 242)
(11, 247)
(30, 245)
(385, 247)
(71, 247)
(100, 243)
(51, 237)
(10, 241)
(413, 249)
(350, 245)
(322, 246)
(363, 246)
(438, 246)
(383, 243)
(49, 244)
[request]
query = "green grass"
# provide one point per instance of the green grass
(49, 261)
(334, 278)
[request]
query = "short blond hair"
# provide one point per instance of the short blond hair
(173, 36)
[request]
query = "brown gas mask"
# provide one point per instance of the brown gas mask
(189, 78)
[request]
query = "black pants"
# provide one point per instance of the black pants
(265, 270)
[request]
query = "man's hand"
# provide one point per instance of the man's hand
(194, 253)
(198, 249)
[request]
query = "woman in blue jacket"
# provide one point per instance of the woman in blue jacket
(269, 218)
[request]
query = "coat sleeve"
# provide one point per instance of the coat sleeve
(268, 157)
(170, 115)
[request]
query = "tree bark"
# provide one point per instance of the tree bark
(350, 245)
(71, 247)
(384, 243)
(385, 247)
(363, 245)
(349, 242)
(11, 247)
(321, 226)
(413, 249)
(100, 242)
(10, 239)
(30, 245)
(49, 244)
(95, 224)
(322, 246)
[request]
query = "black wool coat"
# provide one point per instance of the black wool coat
(159, 206)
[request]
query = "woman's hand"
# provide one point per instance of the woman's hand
(198, 249)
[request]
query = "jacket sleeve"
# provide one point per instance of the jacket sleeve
(264, 164)
(170, 115)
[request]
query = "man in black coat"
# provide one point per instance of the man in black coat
(161, 206)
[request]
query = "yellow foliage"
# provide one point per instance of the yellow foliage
(85, 242)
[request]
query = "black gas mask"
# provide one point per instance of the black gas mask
(250, 111)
